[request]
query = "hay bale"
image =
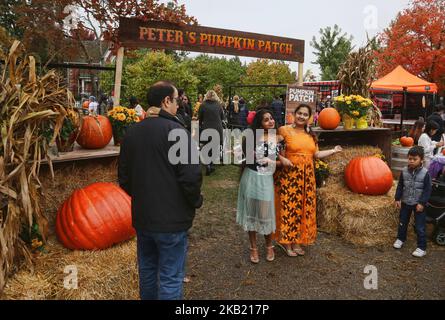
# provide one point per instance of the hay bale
(104, 274)
(359, 219)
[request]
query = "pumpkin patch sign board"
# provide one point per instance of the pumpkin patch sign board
(164, 35)
(297, 95)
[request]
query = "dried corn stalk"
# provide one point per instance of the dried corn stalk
(357, 72)
(29, 105)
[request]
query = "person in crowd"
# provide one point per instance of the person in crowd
(328, 102)
(426, 141)
(417, 129)
(412, 194)
(243, 113)
(210, 116)
(234, 111)
(164, 196)
(295, 184)
(134, 104)
(437, 117)
(256, 209)
(197, 106)
(279, 110)
(184, 112)
(93, 106)
(187, 105)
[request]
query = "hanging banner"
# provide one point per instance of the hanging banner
(135, 33)
(297, 95)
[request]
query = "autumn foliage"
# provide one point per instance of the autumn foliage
(416, 40)
(46, 35)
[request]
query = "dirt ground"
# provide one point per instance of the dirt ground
(219, 264)
(219, 267)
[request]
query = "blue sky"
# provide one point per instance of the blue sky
(297, 19)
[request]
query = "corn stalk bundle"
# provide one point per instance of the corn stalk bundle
(30, 105)
(357, 72)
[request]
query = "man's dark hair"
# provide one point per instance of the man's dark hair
(181, 92)
(158, 92)
(431, 125)
(416, 151)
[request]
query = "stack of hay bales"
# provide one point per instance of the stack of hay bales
(359, 219)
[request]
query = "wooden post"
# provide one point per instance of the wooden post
(118, 78)
(300, 73)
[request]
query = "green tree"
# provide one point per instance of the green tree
(215, 70)
(331, 50)
(148, 68)
(263, 71)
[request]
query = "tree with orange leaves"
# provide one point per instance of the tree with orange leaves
(47, 30)
(416, 40)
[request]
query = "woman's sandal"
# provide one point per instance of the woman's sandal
(270, 254)
(288, 251)
(254, 258)
(299, 251)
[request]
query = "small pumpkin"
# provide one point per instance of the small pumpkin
(290, 118)
(443, 151)
(95, 217)
(368, 175)
(329, 119)
(406, 141)
(95, 133)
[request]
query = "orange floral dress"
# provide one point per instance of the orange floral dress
(295, 198)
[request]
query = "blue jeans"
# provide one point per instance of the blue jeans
(161, 263)
(419, 220)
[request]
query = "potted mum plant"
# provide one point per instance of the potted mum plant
(121, 118)
(354, 109)
(321, 173)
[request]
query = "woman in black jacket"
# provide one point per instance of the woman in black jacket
(210, 116)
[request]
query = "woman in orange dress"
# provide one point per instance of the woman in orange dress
(296, 223)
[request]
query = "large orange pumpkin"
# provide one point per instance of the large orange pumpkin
(95, 133)
(329, 119)
(368, 175)
(95, 217)
(443, 151)
(406, 141)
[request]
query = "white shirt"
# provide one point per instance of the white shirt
(92, 107)
(428, 147)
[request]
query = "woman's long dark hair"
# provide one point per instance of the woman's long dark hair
(307, 128)
(431, 125)
(256, 124)
(416, 131)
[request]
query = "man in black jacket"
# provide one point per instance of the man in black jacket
(164, 196)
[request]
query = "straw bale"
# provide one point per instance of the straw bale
(359, 219)
(104, 274)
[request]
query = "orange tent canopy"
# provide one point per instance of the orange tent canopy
(399, 78)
